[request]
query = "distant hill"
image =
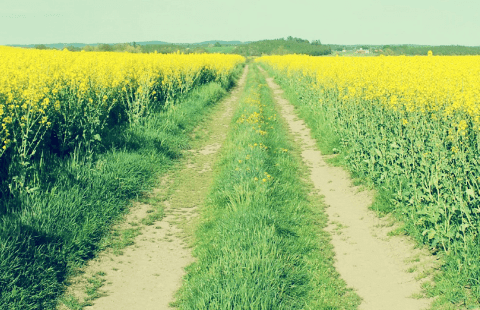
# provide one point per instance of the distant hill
(54, 45)
(81, 45)
(151, 43)
(60, 46)
(221, 42)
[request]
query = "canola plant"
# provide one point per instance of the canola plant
(73, 94)
(425, 84)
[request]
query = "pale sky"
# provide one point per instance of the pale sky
(431, 22)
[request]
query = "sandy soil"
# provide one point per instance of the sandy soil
(149, 272)
(381, 269)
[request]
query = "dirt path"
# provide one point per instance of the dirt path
(382, 269)
(148, 273)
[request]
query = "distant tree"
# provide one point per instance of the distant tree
(72, 48)
(120, 47)
(88, 48)
(104, 48)
(388, 51)
(279, 51)
(316, 42)
(131, 49)
(41, 47)
(299, 40)
(217, 44)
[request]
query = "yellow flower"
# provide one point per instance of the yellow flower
(32, 79)
(441, 86)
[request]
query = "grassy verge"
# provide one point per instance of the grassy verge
(260, 244)
(455, 285)
(57, 228)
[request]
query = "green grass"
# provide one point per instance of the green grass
(95, 282)
(46, 234)
(260, 244)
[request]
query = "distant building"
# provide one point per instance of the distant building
(362, 51)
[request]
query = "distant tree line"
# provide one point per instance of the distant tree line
(132, 48)
(42, 47)
(442, 50)
(283, 46)
(290, 45)
(339, 48)
(172, 48)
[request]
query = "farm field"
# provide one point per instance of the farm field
(407, 126)
(83, 134)
(199, 183)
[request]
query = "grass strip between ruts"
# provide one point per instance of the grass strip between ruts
(260, 244)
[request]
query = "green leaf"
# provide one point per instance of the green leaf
(431, 233)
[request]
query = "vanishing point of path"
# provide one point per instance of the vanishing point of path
(148, 273)
(370, 262)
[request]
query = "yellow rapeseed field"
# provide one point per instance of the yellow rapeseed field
(420, 83)
(39, 86)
